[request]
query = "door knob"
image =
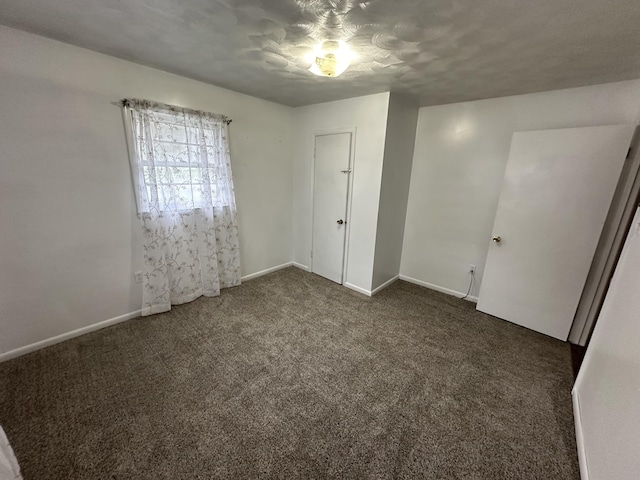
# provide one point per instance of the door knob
(340, 222)
(497, 239)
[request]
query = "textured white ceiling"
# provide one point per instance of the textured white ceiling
(439, 51)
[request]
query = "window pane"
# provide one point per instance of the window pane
(180, 161)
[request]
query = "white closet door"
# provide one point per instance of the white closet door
(556, 193)
(330, 189)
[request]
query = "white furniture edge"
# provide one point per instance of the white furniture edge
(8, 461)
(577, 420)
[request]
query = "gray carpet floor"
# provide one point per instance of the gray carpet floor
(291, 376)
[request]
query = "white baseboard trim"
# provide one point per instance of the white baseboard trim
(66, 336)
(17, 352)
(577, 420)
(384, 285)
(357, 289)
(266, 271)
(300, 266)
(438, 288)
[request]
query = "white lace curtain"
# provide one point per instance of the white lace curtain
(184, 191)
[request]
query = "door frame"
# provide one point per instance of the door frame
(614, 234)
(352, 157)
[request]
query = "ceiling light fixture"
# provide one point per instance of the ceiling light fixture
(330, 58)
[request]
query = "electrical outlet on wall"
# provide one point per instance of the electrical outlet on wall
(138, 276)
(472, 269)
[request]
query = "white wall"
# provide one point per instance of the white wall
(394, 189)
(459, 161)
(69, 236)
(369, 116)
(607, 391)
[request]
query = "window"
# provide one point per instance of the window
(182, 180)
(180, 159)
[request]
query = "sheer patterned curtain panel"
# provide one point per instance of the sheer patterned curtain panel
(181, 173)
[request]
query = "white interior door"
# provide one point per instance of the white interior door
(556, 193)
(330, 190)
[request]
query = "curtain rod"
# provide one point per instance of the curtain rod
(132, 102)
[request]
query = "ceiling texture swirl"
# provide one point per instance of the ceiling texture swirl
(437, 51)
